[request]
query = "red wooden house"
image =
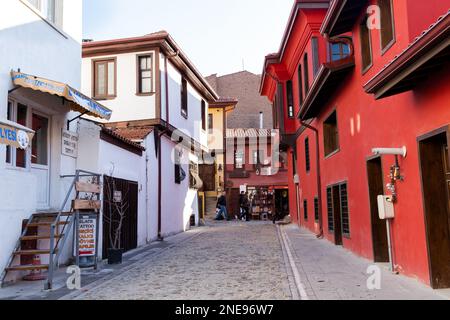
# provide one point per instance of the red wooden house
(352, 77)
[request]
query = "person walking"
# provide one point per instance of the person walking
(244, 206)
(222, 208)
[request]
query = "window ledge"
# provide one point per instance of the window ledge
(145, 94)
(330, 155)
(39, 14)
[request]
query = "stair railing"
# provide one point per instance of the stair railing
(55, 247)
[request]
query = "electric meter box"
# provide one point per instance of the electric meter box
(386, 207)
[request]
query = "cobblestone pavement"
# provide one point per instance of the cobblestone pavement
(230, 260)
(250, 261)
(329, 272)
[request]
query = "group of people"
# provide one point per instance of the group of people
(244, 207)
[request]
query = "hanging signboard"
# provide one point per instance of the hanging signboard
(15, 135)
(87, 236)
(69, 143)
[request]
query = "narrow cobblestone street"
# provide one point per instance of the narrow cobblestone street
(256, 260)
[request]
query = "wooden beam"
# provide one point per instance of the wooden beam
(87, 187)
(87, 205)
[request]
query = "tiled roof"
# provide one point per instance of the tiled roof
(250, 133)
(134, 134)
(122, 138)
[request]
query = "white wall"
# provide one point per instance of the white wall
(178, 201)
(31, 44)
(127, 105)
(193, 124)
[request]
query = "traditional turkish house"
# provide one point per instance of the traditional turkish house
(40, 131)
(212, 171)
(365, 113)
(161, 101)
(256, 165)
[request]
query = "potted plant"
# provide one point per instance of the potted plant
(115, 214)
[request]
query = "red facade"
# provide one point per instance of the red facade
(382, 88)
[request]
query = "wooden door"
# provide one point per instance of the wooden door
(127, 193)
(208, 176)
(435, 183)
(379, 230)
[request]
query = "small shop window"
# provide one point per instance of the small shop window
(316, 209)
(17, 113)
(366, 46)
(315, 53)
(305, 209)
(184, 98)
(39, 150)
(307, 156)
(290, 99)
(239, 159)
(105, 79)
(145, 74)
(203, 114)
(331, 134)
(294, 163)
(387, 23)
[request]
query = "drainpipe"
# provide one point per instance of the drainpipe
(160, 237)
(319, 178)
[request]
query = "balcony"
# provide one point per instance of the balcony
(340, 62)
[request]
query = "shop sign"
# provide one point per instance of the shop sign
(87, 236)
(14, 137)
(69, 145)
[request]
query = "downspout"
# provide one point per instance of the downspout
(319, 178)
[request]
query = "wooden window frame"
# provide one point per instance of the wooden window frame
(305, 210)
(315, 55)
(339, 185)
(300, 84)
(330, 153)
(139, 77)
(210, 123)
(389, 44)
(203, 112)
(94, 78)
(290, 99)
(306, 73)
(307, 155)
(184, 109)
(316, 209)
(362, 25)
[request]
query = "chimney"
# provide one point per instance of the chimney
(261, 120)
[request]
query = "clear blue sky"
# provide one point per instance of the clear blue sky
(216, 34)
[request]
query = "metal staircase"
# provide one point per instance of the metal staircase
(55, 227)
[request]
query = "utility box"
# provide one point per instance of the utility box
(386, 207)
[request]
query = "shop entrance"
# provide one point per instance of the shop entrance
(379, 230)
(40, 159)
(435, 171)
(281, 203)
(120, 199)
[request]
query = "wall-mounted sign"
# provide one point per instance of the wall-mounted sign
(15, 135)
(117, 196)
(69, 144)
(87, 236)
